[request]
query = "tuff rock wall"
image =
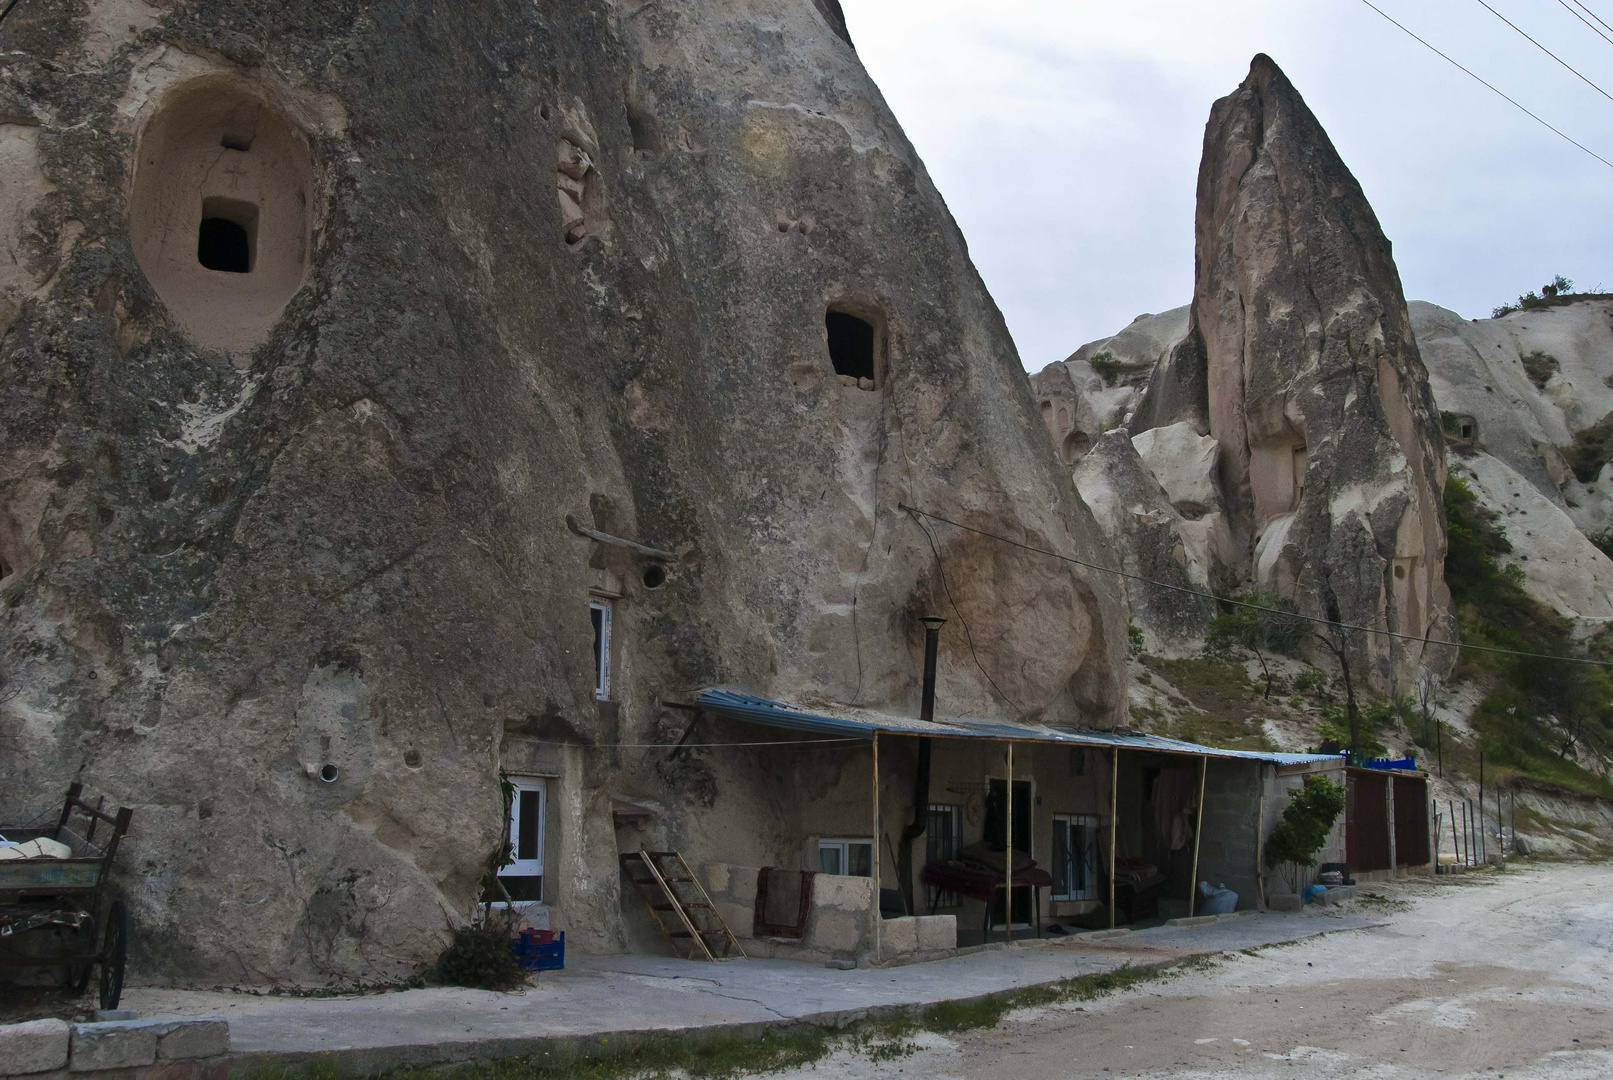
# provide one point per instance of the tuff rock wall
(1298, 358)
(504, 263)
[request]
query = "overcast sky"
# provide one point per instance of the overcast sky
(1065, 136)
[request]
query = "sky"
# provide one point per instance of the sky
(1065, 137)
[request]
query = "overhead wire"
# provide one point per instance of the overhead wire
(1594, 28)
(1489, 86)
(1525, 35)
(1593, 14)
(968, 635)
(1203, 594)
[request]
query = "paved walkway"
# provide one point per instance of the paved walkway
(603, 996)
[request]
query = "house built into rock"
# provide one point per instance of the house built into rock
(401, 397)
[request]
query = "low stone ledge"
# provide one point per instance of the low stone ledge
(114, 1044)
(162, 1049)
(34, 1047)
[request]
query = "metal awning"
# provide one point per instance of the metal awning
(857, 722)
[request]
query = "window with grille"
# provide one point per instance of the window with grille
(1075, 857)
(942, 837)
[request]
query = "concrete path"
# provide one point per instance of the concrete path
(1481, 976)
(615, 995)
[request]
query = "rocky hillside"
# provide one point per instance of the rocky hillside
(1230, 444)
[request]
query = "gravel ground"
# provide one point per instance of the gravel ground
(1489, 975)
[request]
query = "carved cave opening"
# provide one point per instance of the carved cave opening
(227, 236)
(221, 211)
(1076, 445)
(851, 345)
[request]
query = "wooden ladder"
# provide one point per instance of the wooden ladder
(663, 881)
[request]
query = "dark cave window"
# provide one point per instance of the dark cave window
(227, 236)
(851, 345)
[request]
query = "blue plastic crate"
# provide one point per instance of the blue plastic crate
(538, 950)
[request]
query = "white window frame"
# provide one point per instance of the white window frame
(527, 867)
(843, 845)
(602, 680)
(1067, 823)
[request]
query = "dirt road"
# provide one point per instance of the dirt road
(1504, 975)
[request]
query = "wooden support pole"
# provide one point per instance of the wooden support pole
(1198, 827)
(1114, 802)
(877, 913)
(1008, 861)
(1260, 844)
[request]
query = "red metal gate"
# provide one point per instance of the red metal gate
(1411, 821)
(1366, 820)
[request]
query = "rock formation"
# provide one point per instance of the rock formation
(1152, 539)
(1298, 358)
(318, 329)
(1523, 399)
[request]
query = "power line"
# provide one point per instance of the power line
(693, 745)
(941, 568)
(1594, 28)
(1592, 14)
(1509, 100)
(1543, 49)
(1341, 626)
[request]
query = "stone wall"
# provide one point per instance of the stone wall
(192, 1049)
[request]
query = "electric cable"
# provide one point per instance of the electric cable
(1593, 15)
(1525, 35)
(7, 10)
(968, 636)
(1594, 28)
(691, 745)
(1489, 86)
(1340, 626)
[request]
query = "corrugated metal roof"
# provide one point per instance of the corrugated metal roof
(858, 722)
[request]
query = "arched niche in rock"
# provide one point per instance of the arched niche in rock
(221, 212)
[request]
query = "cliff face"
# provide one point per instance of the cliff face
(321, 326)
(1298, 358)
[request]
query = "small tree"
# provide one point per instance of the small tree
(1427, 697)
(1264, 627)
(1302, 830)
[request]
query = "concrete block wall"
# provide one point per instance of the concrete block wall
(190, 1049)
(840, 924)
(1229, 843)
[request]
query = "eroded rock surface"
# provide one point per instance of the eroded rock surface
(1298, 359)
(1151, 538)
(551, 260)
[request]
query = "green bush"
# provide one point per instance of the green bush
(1135, 639)
(1307, 819)
(479, 957)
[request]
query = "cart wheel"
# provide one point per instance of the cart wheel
(113, 955)
(86, 935)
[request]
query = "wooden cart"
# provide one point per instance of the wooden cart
(59, 913)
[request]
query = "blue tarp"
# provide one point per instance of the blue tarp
(849, 721)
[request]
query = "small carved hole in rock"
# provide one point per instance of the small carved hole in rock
(654, 576)
(543, 111)
(851, 344)
(411, 758)
(234, 140)
(5, 569)
(1400, 572)
(105, 515)
(228, 236)
(328, 772)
